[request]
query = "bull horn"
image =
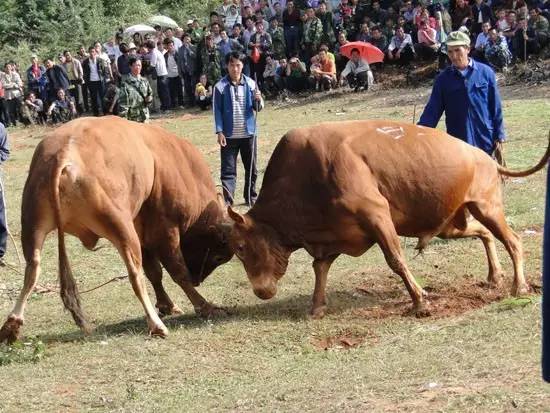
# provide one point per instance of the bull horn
(221, 202)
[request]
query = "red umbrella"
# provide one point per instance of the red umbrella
(367, 51)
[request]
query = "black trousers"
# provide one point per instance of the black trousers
(189, 82)
(76, 93)
(96, 96)
(176, 91)
(13, 106)
(164, 92)
(248, 150)
(358, 80)
(3, 225)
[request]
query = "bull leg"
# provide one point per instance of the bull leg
(125, 239)
(153, 271)
(475, 229)
(378, 220)
(321, 268)
(172, 259)
(492, 216)
(10, 330)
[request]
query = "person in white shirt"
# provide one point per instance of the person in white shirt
(158, 65)
(169, 34)
(401, 49)
(174, 79)
(356, 72)
(481, 42)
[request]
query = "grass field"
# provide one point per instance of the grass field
(478, 352)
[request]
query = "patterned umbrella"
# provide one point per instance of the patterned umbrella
(368, 52)
(163, 21)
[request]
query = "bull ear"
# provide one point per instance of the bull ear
(235, 216)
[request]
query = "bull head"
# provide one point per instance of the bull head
(257, 246)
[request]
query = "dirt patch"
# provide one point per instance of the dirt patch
(179, 116)
(344, 341)
(444, 301)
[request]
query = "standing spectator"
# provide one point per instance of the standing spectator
(400, 49)
(203, 93)
(13, 92)
(364, 33)
(236, 97)
(278, 9)
(169, 35)
(278, 39)
(122, 62)
(224, 8)
(261, 41)
(232, 18)
(339, 58)
(195, 31)
(4, 115)
(158, 65)
(467, 93)
(174, 80)
(36, 81)
(57, 78)
(291, 25)
(311, 37)
(94, 78)
(82, 55)
(226, 46)
(377, 14)
(461, 15)
(187, 63)
(327, 20)
(496, 50)
(135, 94)
(75, 74)
(4, 155)
(481, 13)
(62, 109)
(106, 62)
(356, 72)
(211, 61)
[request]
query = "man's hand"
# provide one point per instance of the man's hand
(398, 54)
(221, 139)
(257, 96)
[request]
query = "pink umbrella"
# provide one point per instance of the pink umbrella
(367, 51)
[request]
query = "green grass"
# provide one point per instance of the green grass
(262, 357)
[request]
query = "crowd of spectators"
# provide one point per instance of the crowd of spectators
(290, 46)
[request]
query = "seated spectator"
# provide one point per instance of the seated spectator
(296, 75)
(32, 111)
(525, 42)
(539, 25)
(427, 46)
(356, 72)
(364, 34)
(482, 39)
(424, 16)
(461, 15)
(340, 59)
(400, 49)
(280, 75)
(270, 87)
(203, 93)
(501, 23)
(510, 32)
(378, 39)
(325, 74)
(497, 53)
(327, 21)
(62, 108)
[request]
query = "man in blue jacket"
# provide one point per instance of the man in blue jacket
(4, 155)
(236, 97)
(468, 94)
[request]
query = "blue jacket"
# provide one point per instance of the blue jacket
(223, 106)
(4, 146)
(471, 104)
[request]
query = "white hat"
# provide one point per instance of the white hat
(190, 21)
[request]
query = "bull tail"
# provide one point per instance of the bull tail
(517, 174)
(68, 287)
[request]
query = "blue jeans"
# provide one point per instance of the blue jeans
(229, 153)
(3, 225)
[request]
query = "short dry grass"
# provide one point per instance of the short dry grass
(479, 352)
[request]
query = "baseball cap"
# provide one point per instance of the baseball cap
(458, 38)
(190, 21)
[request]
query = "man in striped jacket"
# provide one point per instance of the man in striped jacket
(236, 97)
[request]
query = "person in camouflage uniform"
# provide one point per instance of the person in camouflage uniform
(311, 36)
(211, 61)
(327, 20)
(277, 39)
(135, 94)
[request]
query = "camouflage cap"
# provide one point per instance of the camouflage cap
(458, 38)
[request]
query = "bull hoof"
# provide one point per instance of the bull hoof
(211, 311)
(495, 281)
(420, 311)
(159, 331)
(519, 290)
(318, 312)
(166, 310)
(9, 333)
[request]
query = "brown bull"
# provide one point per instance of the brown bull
(146, 191)
(341, 187)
